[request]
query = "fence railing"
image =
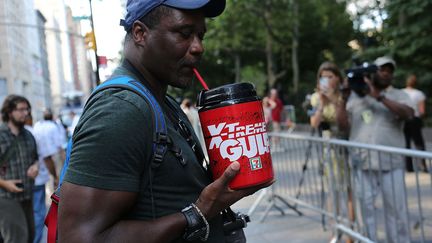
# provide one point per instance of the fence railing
(360, 190)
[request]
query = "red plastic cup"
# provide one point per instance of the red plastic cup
(234, 128)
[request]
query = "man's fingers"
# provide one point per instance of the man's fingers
(18, 190)
(252, 190)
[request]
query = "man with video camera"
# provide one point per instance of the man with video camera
(374, 113)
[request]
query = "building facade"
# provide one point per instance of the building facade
(43, 55)
(20, 54)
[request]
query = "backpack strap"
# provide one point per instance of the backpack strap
(178, 118)
(160, 140)
(160, 137)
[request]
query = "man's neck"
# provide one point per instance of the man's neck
(156, 86)
(14, 128)
(380, 89)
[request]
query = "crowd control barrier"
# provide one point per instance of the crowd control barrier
(360, 191)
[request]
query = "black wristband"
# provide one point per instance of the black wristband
(380, 98)
(197, 225)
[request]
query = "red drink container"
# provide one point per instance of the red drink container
(234, 129)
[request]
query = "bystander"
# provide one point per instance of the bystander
(47, 136)
(413, 127)
(18, 168)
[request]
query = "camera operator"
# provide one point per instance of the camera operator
(377, 117)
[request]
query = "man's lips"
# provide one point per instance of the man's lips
(187, 69)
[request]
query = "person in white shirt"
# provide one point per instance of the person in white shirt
(413, 127)
(74, 122)
(192, 114)
(377, 118)
(46, 133)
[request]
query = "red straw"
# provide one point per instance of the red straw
(200, 79)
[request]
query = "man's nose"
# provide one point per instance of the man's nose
(197, 47)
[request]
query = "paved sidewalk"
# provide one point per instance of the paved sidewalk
(278, 228)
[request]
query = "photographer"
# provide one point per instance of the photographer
(324, 102)
(325, 99)
(375, 115)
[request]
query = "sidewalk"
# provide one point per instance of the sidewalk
(278, 228)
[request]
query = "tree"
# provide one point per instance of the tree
(283, 41)
(408, 34)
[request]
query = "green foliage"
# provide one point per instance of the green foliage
(239, 35)
(257, 76)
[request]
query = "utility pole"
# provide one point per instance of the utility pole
(95, 46)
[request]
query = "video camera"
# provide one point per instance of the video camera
(356, 77)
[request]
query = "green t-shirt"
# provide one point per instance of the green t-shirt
(112, 150)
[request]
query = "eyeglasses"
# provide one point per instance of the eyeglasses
(22, 109)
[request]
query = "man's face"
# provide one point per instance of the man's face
(175, 47)
(384, 76)
(19, 114)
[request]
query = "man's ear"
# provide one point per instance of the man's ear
(139, 32)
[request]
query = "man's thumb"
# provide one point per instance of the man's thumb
(230, 172)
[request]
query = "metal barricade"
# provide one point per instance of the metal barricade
(360, 190)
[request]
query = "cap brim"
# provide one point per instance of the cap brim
(211, 8)
(381, 61)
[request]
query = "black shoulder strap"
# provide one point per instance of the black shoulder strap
(187, 132)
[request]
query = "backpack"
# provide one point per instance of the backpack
(160, 140)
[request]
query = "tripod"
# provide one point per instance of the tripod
(321, 172)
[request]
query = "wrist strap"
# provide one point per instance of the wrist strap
(197, 225)
(380, 98)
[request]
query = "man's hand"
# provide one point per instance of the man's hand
(401, 110)
(33, 170)
(11, 186)
(218, 196)
(373, 92)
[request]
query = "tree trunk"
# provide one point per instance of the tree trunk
(237, 63)
(294, 55)
(271, 77)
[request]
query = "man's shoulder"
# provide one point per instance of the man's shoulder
(415, 93)
(117, 106)
(28, 135)
(120, 97)
(396, 93)
(3, 127)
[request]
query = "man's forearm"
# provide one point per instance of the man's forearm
(94, 215)
(49, 162)
(164, 229)
(2, 183)
(403, 111)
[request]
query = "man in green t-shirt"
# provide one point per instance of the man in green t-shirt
(106, 196)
